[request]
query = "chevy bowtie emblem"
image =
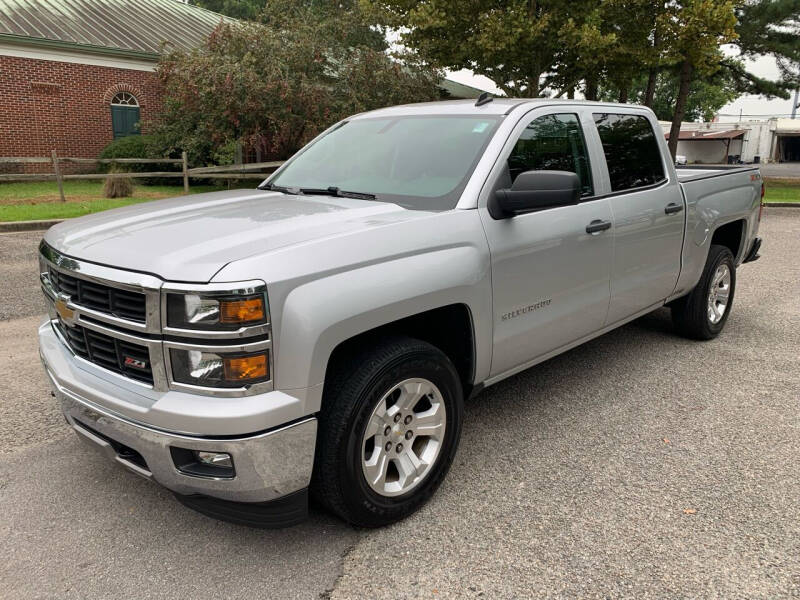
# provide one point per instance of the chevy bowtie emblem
(64, 311)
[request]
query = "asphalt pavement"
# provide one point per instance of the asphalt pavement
(639, 465)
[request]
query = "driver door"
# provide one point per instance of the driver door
(550, 278)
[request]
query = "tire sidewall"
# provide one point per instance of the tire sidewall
(723, 256)
(356, 491)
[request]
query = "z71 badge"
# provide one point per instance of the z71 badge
(135, 363)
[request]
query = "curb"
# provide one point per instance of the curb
(12, 226)
(782, 205)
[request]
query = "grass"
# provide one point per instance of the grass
(33, 201)
(782, 190)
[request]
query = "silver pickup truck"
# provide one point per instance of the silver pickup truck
(318, 335)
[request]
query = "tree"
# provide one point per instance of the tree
(274, 88)
(237, 9)
(706, 95)
(521, 45)
(693, 33)
(769, 27)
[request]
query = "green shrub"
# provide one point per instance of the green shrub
(139, 146)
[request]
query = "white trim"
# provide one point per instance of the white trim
(76, 57)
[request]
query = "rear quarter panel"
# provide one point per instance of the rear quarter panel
(714, 200)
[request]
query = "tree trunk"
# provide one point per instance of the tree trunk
(680, 106)
(590, 89)
(623, 94)
(652, 76)
(650, 92)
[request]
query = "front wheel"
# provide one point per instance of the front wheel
(702, 313)
(388, 431)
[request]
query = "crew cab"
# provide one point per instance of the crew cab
(319, 334)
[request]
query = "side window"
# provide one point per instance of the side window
(552, 143)
(632, 152)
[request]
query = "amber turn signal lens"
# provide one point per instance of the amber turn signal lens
(241, 311)
(246, 368)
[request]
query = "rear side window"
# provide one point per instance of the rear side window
(552, 143)
(632, 152)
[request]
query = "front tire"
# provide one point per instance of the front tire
(702, 313)
(388, 431)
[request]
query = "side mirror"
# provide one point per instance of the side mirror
(535, 190)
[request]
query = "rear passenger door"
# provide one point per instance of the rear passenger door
(648, 210)
(550, 278)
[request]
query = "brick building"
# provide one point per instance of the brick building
(75, 74)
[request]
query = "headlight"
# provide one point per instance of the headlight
(198, 311)
(223, 370)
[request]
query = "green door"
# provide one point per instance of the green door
(124, 120)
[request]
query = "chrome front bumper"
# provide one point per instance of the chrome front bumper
(268, 465)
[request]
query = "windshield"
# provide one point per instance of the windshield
(421, 162)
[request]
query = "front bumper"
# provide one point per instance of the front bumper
(268, 465)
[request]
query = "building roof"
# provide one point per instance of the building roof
(129, 27)
(135, 28)
(702, 135)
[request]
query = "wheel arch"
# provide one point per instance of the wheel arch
(449, 328)
(731, 235)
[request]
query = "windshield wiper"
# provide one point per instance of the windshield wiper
(335, 191)
(276, 188)
(329, 191)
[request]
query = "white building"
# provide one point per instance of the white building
(773, 140)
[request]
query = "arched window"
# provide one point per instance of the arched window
(125, 99)
(124, 114)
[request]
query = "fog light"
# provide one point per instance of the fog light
(201, 463)
(215, 459)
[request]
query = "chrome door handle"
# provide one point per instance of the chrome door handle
(597, 226)
(673, 208)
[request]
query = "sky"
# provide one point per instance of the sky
(753, 107)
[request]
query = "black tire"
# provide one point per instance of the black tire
(690, 313)
(357, 384)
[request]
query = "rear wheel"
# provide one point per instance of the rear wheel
(702, 313)
(388, 431)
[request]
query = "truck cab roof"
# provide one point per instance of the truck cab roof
(498, 106)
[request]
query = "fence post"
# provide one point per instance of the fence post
(185, 173)
(57, 171)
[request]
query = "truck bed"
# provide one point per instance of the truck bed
(695, 173)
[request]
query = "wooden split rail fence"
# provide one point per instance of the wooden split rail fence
(238, 171)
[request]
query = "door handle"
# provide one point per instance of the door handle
(597, 226)
(673, 208)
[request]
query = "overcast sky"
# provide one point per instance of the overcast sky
(752, 106)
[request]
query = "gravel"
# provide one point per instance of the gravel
(637, 465)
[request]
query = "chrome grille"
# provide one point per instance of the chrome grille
(102, 298)
(113, 318)
(108, 352)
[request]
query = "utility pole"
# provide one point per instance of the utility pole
(795, 104)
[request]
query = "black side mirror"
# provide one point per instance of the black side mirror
(535, 190)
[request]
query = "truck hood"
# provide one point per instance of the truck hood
(190, 238)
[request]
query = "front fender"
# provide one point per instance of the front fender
(326, 291)
(321, 314)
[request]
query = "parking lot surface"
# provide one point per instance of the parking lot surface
(638, 465)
